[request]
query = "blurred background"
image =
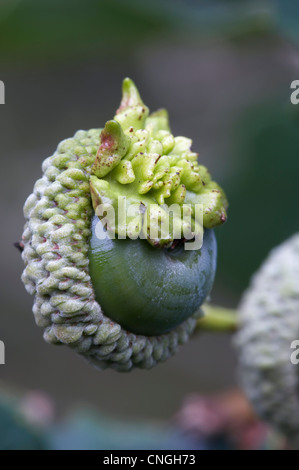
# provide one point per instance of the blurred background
(223, 70)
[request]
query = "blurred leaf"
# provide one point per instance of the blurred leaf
(54, 28)
(88, 430)
(287, 17)
(15, 433)
(263, 190)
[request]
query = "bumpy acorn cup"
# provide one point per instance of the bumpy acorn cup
(127, 301)
(269, 324)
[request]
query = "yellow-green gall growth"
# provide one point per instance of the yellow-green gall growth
(140, 160)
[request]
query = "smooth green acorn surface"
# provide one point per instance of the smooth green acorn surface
(146, 290)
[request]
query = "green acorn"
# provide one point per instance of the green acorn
(269, 324)
(129, 300)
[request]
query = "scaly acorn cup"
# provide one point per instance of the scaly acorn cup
(269, 323)
(127, 301)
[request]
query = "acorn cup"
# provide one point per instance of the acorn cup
(268, 340)
(122, 291)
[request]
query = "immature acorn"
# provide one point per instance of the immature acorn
(269, 324)
(129, 301)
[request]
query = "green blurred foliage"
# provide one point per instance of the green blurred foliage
(287, 17)
(91, 430)
(15, 432)
(54, 28)
(85, 429)
(263, 189)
